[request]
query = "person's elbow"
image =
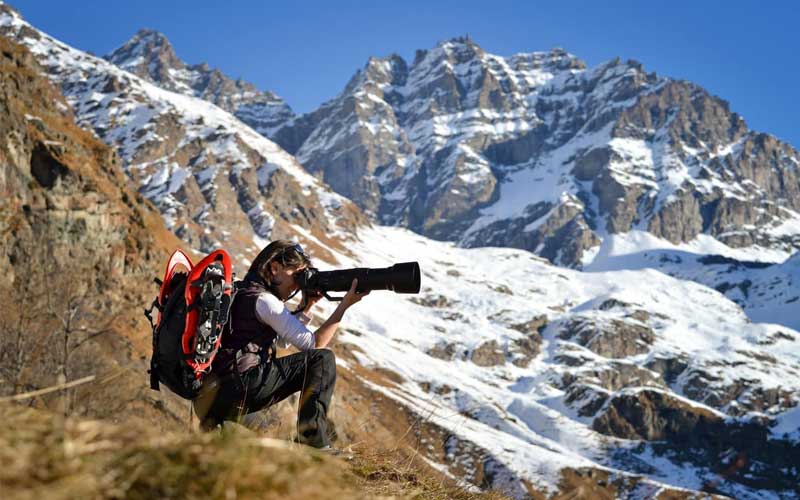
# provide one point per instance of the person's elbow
(309, 341)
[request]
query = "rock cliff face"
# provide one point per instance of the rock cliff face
(534, 151)
(79, 250)
(214, 179)
(55, 173)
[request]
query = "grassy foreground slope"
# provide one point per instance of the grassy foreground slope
(47, 456)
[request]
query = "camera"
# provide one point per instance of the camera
(399, 278)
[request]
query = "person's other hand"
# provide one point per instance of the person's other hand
(352, 295)
(309, 299)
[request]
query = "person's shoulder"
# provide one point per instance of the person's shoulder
(272, 302)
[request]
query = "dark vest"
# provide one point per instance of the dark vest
(244, 332)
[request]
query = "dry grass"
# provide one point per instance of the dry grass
(383, 473)
(47, 456)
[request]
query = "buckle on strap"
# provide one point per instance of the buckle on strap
(148, 313)
(249, 356)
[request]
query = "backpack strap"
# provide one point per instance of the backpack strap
(153, 371)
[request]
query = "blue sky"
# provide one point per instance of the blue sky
(744, 52)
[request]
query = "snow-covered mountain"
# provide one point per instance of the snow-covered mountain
(531, 369)
(150, 56)
(532, 151)
(215, 180)
(535, 151)
(522, 374)
(766, 291)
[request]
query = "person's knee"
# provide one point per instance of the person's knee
(327, 361)
(327, 356)
(322, 356)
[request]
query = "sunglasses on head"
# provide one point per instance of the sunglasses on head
(296, 248)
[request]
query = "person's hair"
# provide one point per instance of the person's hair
(284, 251)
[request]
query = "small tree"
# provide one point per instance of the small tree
(59, 307)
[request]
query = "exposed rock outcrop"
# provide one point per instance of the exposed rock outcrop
(705, 437)
(489, 353)
(55, 173)
(653, 416)
(614, 338)
(528, 347)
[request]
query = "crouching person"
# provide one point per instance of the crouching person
(247, 376)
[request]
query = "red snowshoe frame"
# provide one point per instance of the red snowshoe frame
(192, 310)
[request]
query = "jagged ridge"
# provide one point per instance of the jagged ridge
(534, 151)
(150, 56)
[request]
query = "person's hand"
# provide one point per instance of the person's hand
(352, 295)
(309, 299)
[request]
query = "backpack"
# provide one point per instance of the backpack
(192, 309)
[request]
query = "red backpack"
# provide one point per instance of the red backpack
(192, 310)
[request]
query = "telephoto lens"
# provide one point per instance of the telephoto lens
(399, 278)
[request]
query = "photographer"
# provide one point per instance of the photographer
(248, 375)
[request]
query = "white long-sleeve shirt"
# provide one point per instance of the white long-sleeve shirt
(291, 328)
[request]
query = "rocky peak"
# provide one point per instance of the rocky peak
(394, 67)
(8, 10)
(559, 58)
(460, 49)
(380, 72)
(453, 89)
(447, 55)
(148, 54)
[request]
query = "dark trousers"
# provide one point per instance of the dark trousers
(312, 373)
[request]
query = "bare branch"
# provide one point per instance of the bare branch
(47, 390)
